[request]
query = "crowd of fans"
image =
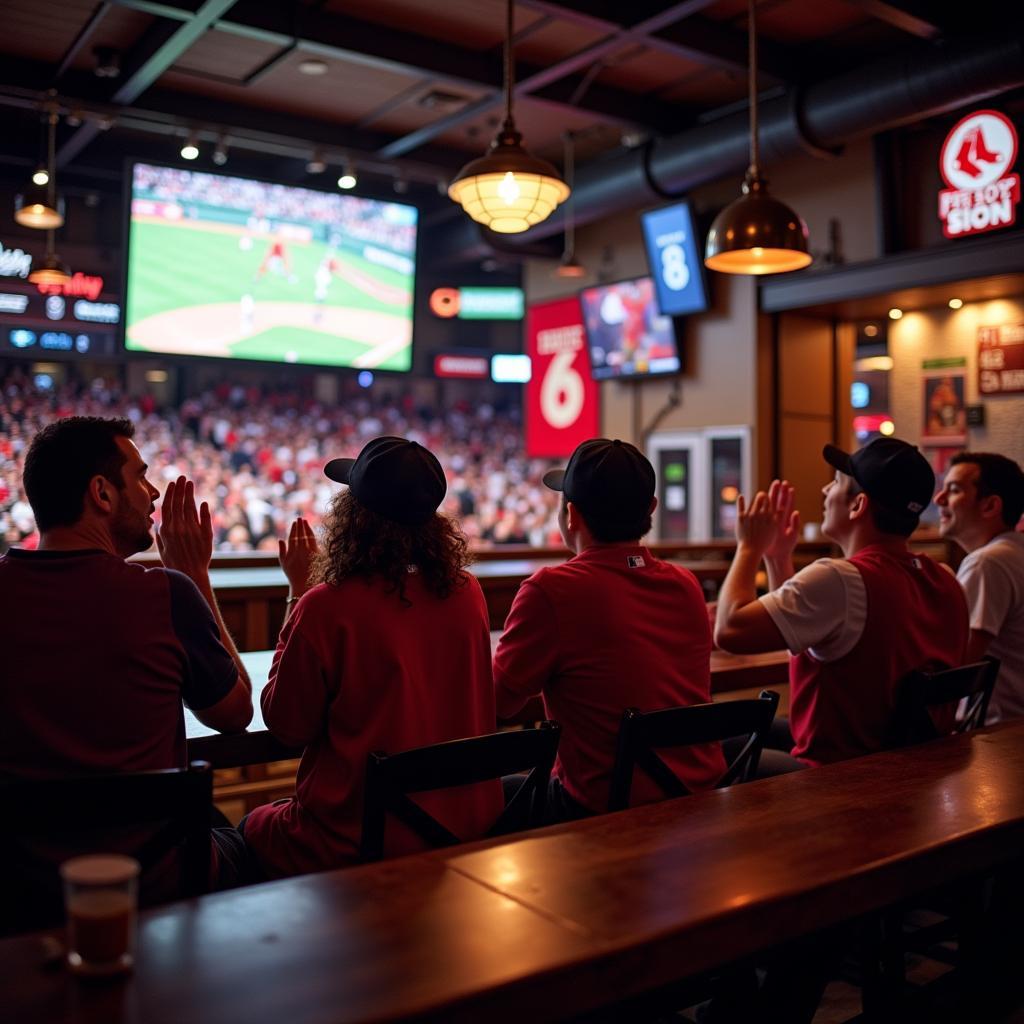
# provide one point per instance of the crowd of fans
(257, 456)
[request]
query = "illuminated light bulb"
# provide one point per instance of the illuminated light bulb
(955, 303)
(41, 176)
(509, 189)
(887, 427)
(895, 314)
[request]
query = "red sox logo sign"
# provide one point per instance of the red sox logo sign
(975, 163)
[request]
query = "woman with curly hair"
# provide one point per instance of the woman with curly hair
(386, 647)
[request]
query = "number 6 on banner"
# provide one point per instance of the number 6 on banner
(561, 392)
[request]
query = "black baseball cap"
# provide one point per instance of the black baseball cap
(610, 481)
(398, 479)
(891, 472)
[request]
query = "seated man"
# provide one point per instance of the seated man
(612, 628)
(855, 625)
(980, 506)
(100, 652)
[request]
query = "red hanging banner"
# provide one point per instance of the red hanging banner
(562, 405)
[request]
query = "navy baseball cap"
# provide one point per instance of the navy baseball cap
(398, 479)
(891, 472)
(610, 481)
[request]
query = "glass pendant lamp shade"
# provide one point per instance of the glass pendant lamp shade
(35, 207)
(757, 234)
(508, 190)
(51, 269)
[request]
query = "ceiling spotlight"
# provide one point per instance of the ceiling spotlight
(220, 152)
(955, 303)
(508, 190)
(74, 119)
(313, 67)
(348, 177)
(756, 234)
(316, 164)
(190, 150)
(40, 176)
(895, 314)
(108, 62)
(871, 330)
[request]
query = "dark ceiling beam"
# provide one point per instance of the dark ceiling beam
(684, 35)
(915, 19)
(165, 113)
(84, 35)
(160, 46)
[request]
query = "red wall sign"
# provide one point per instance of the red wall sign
(975, 162)
(562, 406)
(85, 286)
(447, 364)
(1001, 359)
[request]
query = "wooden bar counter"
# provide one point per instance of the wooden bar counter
(562, 920)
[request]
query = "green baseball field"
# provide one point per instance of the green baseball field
(214, 289)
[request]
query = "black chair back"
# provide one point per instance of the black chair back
(169, 810)
(643, 733)
(391, 777)
(919, 692)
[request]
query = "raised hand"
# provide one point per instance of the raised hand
(757, 527)
(185, 538)
(296, 556)
(781, 495)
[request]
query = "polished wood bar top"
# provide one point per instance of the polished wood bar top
(561, 920)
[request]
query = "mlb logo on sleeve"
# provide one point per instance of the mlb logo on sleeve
(635, 561)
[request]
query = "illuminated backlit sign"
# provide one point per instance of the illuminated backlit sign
(1001, 359)
(97, 312)
(10, 302)
(86, 286)
(478, 303)
(14, 262)
(507, 368)
(456, 365)
(976, 161)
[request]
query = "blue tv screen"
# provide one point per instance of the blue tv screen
(673, 252)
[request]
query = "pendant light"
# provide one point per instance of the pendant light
(51, 269)
(570, 266)
(508, 190)
(756, 234)
(38, 206)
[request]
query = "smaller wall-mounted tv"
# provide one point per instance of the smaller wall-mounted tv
(674, 256)
(627, 335)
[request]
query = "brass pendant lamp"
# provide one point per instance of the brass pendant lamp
(508, 190)
(38, 205)
(569, 265)
(756, 234)
(51, 269)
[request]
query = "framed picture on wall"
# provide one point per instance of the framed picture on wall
(944, 420)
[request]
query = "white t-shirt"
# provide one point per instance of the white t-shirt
(993, 580)
(822, 609)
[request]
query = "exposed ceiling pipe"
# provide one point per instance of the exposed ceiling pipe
(818, 119)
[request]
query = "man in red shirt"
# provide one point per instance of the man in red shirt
(856, 625)
(614, 627)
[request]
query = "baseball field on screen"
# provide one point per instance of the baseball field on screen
(266, 282)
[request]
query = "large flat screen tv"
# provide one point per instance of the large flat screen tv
(242, 269)
(627, 335)
(673, 254)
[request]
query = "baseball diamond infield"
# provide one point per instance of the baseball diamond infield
(342, 336)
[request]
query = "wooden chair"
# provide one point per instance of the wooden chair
(642, 733)
(46, 821)
(391, 777)
(920, 692)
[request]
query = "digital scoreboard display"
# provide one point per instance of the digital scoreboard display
(674, 256)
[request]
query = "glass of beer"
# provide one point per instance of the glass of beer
(100, 897)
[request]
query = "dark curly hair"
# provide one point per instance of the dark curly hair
(358, 542)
